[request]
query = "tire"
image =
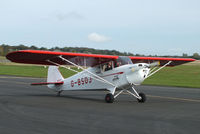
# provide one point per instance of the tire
(109, 98)
(143, 98)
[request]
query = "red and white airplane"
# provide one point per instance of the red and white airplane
(100, 72)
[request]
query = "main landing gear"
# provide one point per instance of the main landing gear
(141, 97)
(109, 98)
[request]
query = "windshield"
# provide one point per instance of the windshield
(123, 60)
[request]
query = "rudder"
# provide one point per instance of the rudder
(54, 74)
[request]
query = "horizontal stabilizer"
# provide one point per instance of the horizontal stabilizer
(47, 83)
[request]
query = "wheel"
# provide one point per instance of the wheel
(143, 98)
(109, 98)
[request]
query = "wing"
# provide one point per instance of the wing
(162, 60)
(42, 57)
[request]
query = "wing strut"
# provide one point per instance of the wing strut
(98, 77)
(63, 66)
(105, 81)
(71, 69)
(153, 72)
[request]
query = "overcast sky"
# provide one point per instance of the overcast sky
(162, 27)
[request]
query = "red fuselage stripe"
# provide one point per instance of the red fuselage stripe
(112, 74)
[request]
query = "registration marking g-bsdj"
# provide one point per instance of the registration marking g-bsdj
(81, 81)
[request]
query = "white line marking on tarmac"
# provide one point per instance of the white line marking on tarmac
(174, 98)
(171, 98)
(24, 83)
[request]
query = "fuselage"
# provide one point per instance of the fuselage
(122, 77)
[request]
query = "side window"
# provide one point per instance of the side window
(98, 69)
(117, 64)
(107, 66)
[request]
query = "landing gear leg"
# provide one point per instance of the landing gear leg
(141, 97)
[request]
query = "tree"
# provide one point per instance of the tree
(4, 49)
(1, 50)
(196, 56)
(33, 48)
(184, 55)
(21, 47)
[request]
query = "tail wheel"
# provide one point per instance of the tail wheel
(109, 98)
(143, 98)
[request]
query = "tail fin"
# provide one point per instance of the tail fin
(54, 74)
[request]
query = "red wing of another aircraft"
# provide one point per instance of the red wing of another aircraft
(42, 57)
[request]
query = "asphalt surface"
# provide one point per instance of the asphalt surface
(26, 109)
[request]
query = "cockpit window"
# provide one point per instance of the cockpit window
(123, 60)
(107, 66)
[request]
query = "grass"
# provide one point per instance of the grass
(182, 76)
(2, 58)
(30, 71)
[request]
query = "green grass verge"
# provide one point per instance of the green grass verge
(183, 76)
(30, 71)
(2, 58)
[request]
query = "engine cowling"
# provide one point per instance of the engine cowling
(137, 75)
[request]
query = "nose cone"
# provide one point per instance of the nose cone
(136, 77)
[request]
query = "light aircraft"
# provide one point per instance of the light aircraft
(100, 72)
